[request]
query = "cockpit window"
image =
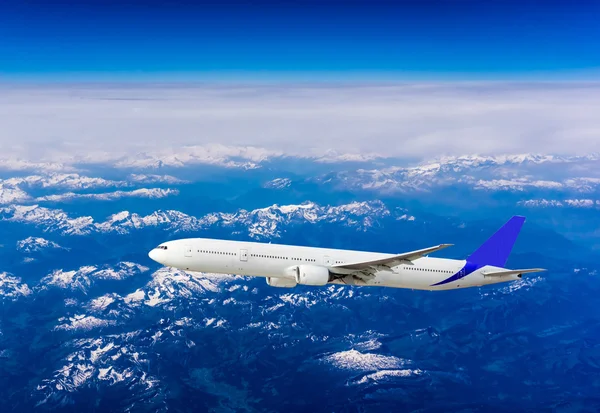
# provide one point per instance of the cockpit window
(162, 247)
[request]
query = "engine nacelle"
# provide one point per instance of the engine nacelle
(281, 282)
(312, 275)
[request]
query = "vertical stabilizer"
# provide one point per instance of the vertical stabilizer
(497, 248)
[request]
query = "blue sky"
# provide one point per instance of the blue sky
(326, 39)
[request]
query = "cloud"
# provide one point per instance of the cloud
(106, 122)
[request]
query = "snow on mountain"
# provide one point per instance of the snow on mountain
(11, 195)
(543, 203)
(12, 287)
(110, 307)
(75, 279)
(101, 303)
(268, 222)
(71, 181)
(582, 203)
(583, 184)
(82, 322)
(51, 220)
(122, 270)
(355, 360)
(524, 284)
(83, 278)
(93, 362)
(470, 161)
(259, 223)
(278, 183)
(153, 179)
(456, 164)
(125, 222)
(553, 203)
(15, 190)
(481, 172)
(520, 184)
(153, 193)
(168, 289)
(383, 375)
(393, 179)
(36, 244)
(169, 284)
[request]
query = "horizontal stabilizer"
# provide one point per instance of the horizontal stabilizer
(392, 260)
(511, 272)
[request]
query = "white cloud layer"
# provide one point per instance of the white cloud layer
(107, 122)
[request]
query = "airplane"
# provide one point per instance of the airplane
(288, 266)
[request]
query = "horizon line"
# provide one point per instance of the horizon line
(591, 75)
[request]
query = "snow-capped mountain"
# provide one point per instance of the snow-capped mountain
(567, 203)
(264, 222)
(522, 184)
(12, 287)
(126, 358)
(153, 179)
(36, 244)
(83, 278)
(12, 195)
(278, 183)
(91, 362)
(268, 222)
(152, 193)
(82, 322)
(469, 161)
(72, 181)
(355, 360)
(52, 220)
(497, 173)
(17, 190)
(168, 284)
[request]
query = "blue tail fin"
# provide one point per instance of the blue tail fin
(497, 248)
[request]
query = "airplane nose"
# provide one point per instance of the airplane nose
(154, 255)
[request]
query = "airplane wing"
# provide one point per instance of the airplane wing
(511, 272)
(385, 262)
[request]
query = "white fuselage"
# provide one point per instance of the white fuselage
(277, 262)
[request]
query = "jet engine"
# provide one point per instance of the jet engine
(281, 282)
(312, 275)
